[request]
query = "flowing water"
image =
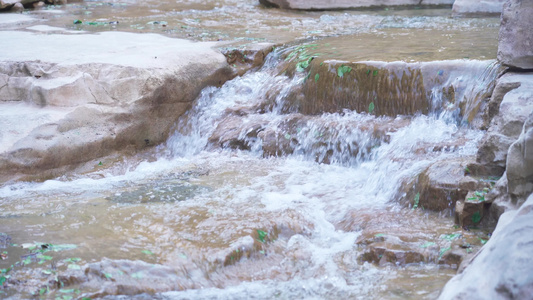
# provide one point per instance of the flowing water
(249, 199)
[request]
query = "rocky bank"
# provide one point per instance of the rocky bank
(76, 97)
(503, 268)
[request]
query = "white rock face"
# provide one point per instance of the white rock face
(348, 4)
(503, 269)
(520, 164)
(506, 126)
(82, 96)
(515, 47)
(477, 7)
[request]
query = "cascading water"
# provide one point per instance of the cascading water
(267, 200)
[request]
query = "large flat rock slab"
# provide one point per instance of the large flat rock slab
(350, 4)
(477, 8)
(95, 93)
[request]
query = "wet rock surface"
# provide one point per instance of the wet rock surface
(407, 243)
(516, 37)
(504, 264)
(248, 57)
(391, 89)
(441, 185)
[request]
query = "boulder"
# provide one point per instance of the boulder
(440, 186)
(469, 8)
(350, 4)
(84, 96)
(247, 57)
(515, 48)
(470, 212)
(520, 164)
(503, 268)
(514, 90)
(8, 4)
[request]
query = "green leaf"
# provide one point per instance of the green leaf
(147, 252)
(476, 217)
(63, 247)
(107, 275)
(450, 237)
(483, 242)
(367, 72)
(27, 261)
(2, 280)
(42, 291)
(343, 70)
(287, 136)
(371, 108)
(302, 65)
(74, 267)
(47, 272)
(44, 258)
(443, 250)
(72, 260)
(416, 201)
(137, 275)
(375, 73)
(262, 235)
(427, 244)
(379, 235)
(316, 77)
(64, 291)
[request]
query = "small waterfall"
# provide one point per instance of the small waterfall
(241, 96)
(257, 113)
(460, 96)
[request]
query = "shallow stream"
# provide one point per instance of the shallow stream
(194, 219)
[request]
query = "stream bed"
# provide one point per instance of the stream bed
(196, 218)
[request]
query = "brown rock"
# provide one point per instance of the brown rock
(470, 212)
(441, 185)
